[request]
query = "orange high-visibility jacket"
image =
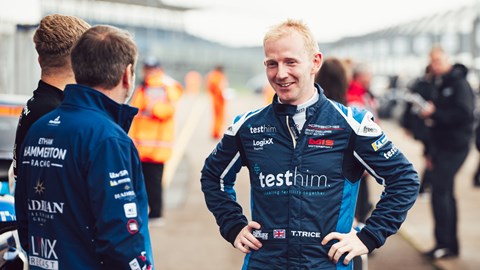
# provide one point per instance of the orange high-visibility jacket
(153, 127)
(216, 83)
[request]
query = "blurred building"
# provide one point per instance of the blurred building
(403, 49)
(159, 30)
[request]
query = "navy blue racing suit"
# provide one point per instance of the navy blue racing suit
(304, 184)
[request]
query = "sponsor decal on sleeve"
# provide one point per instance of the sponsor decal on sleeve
(369, 128)
(390, 153)
(132, 226)
(130, 210)
(376, 145)
(134, 265)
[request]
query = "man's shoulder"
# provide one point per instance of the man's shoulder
(360, 120)
(247, 117)
(42, 102)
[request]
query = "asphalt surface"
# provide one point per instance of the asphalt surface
(190, 238)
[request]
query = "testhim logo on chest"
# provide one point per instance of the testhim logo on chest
(263, 129)
(296, 178)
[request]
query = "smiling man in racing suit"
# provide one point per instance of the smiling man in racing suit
(305, 155)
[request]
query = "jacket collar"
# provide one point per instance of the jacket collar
(290, 110)
(43, 86)
(83, 96)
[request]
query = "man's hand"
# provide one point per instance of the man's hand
(245, 239)
(347, 243)
(428, 110)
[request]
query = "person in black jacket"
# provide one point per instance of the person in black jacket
(451, 111)
(54, 40)
(419, 128)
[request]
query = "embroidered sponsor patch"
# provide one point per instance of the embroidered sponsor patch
(134, 265)
(130, 210)
(260, 234)
(132, 226)
(379, 143)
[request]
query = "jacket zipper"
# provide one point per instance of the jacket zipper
(291, 134)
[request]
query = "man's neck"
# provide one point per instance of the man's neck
(59, 80)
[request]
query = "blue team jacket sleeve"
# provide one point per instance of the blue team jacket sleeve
(217, 180)
(118, 201)
(389, 166)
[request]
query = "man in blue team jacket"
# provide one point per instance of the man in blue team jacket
(81, 201)
(305, 155)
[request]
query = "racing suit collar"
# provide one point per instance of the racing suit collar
(83, 96)
(290, 110)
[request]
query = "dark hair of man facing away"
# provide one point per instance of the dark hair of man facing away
(101, 56)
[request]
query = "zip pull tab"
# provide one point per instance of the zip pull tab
(292, 128)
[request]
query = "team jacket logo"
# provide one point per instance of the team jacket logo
(321, 130)
(45, 206)
(119, 182)
(296, 178)
(132, 226)
(39, 188)
(130, 210)
(118, 174)
(39, 155)
(320, 143)
(45, 152)
(258, 145)
(263, 129)
(55, 122)
(127, 195)
(42, 253)
(260, 234)
(369, 128)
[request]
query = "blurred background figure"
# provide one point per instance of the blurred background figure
(420, 91)
(333, 79)
(193, 82)
(153, 130)
(359, 95)
(268, 93)
(217, 83)
(451, 111)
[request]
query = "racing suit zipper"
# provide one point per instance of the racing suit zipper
(292, 133)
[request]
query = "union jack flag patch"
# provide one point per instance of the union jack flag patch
(279, 234)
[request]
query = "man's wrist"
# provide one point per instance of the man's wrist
(234, 231)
